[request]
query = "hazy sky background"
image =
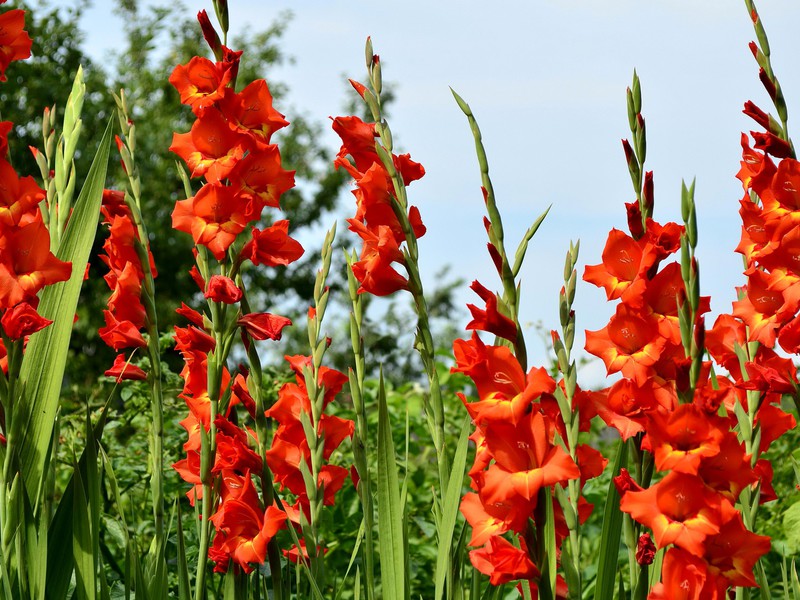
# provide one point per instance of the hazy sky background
(546, 81)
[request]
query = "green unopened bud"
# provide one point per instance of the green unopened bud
(386, 135)
(72, 141)
(637, 93)
(74, 106)
(50, 145)
(377, 78)
(41, 162)
(70, 189)
(631, 109)
(221, 8)
(46, 123)
(368, 53)
(640, 138)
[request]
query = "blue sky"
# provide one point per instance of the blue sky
(546, 81)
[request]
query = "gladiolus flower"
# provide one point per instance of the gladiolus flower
(123, 370)
(15, 43)
(645, 550)
(27, 265)
(120, 334)
(222, 289)
(22, 320)
(272, 246)
(262, 326)
(502, 562)
(680, 510)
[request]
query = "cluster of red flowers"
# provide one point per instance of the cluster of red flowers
(375, 221)
(126, 314)
(770, 241)
(26, 262)
(692, 506)
(229, 145)
(516, 419)
(290, 446)
(243, 526)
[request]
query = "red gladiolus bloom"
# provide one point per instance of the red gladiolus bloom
(200, 82)
(502, 562)
(222, 289)
(374, 271)
(272, 246)
(766, 307)
(757, 169)
(243, 532)
(15, 43)
(525, 460)
(27, 265)
(686, 577)
(728, 472)
(683, 438)
(629, 343)
(213, 217)
(262, 326)
(251, 112)
(211, 148)
(734, 551)
(622, 263)
(120, 334)
(680, 510)
(19, 196)
(259, 176)
(623, 406)
(22, 320)
(123, 371)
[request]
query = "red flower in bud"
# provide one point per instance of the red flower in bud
(210, 34)
(262, 326)
(22, 320)
(758, 115)
(645, 550)
(360, 88)
(490, 319)
(194, 317)
(222, 289)
(772, 144)
(624, 482)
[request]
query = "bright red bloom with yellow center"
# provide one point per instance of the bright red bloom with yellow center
(684, 437)
(200, 82)
(213, 217)
(630, 343)
(211, 148)
(680, 509)
(622, 263)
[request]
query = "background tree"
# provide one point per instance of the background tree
(156, 38)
